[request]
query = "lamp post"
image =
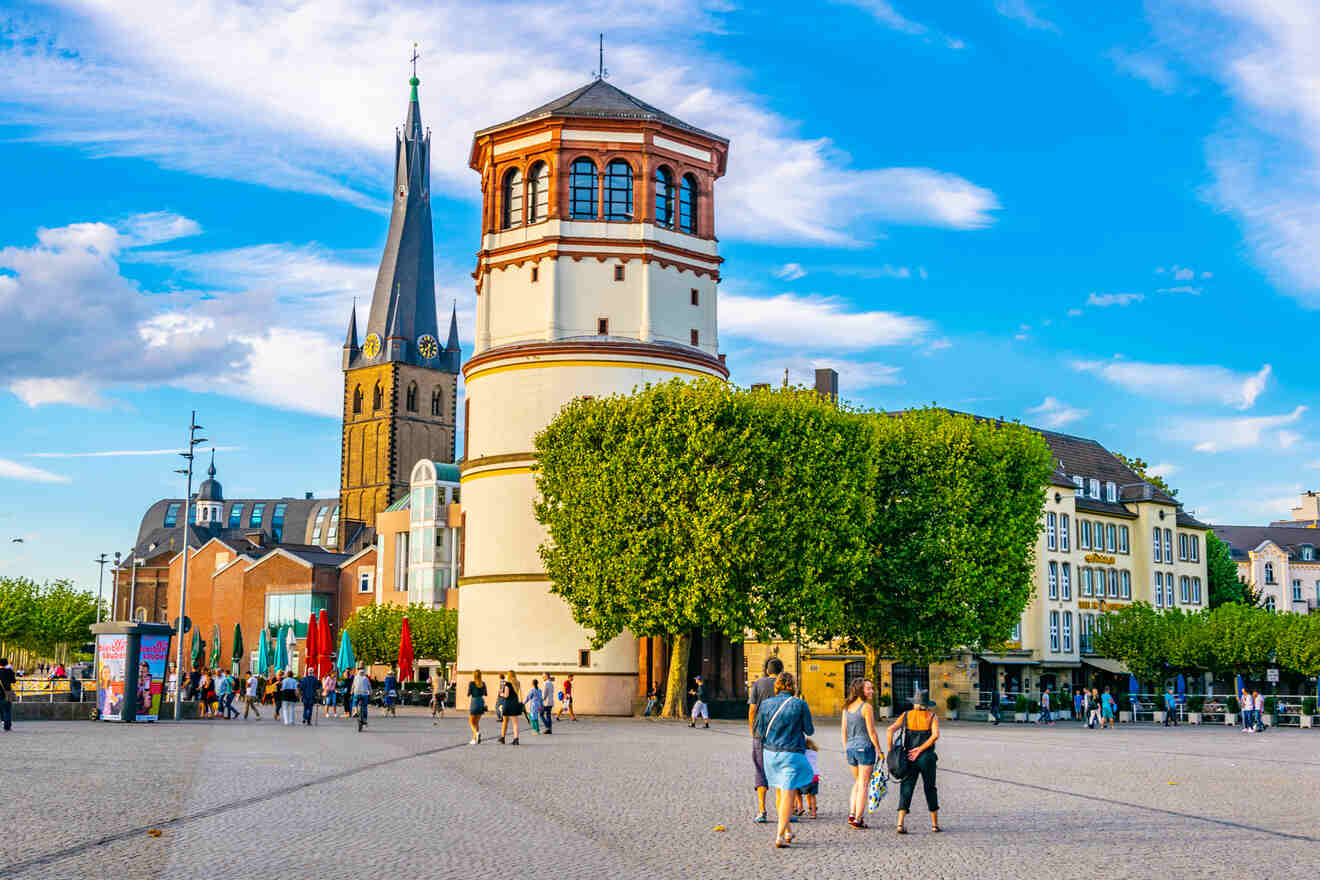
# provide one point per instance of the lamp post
(114, 595)
(193, 441)
(100, 582)
(132, 588)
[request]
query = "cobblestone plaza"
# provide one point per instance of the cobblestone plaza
(628, 798)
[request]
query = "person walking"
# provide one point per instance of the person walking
(994, 707)
(231, 694)
(566, 701)
(439, 693)
(1107, 709)
(652, 700)
(547, 702)
(8, 693)
(1258, 711)
(512, 708)
(860, 745)
(1170, 708)
(476, 692)
(288, 698)
(1248, 706)
(533, 707)
(1079, 704)
(206, 693)
(783, 723)
(251, 695)
(499, 704)
(921, 729)
(345, 692)
(328, 695)
(1046, 717)
(761, 690)
(361, 693)
(1093, 719)
(391, 692)
(307, 686)
(699, 707)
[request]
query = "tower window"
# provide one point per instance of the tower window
(411, 399)
(538, 193)
(536, 273)
(582, 190)
(618, 273)
(602, 326)
(687, 204)
(357, 399)
(437, 401)
(512, 198)
(618, 191)
(664, 198)
(377, 398)
(696, 338)
(696, 297)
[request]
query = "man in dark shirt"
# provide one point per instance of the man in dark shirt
(8, 682)
(307, 687)
(762, 689)
(700, 709)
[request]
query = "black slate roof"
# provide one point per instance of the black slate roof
(1243, 539)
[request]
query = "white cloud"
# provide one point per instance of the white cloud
(886, 14)
(1164, 470)
(1054, 413)
(791, 320)
(1181, 381)
(1021, 11)
(1313, 465)
(1181, 288)
(876, 272)
(1146, 66)
(75, 392)
(1183, 274)
(14, 470)
(305, 96)
(1104, 300)
(1250, 432)
(790, 272)
(118, 453)
(1074, 313)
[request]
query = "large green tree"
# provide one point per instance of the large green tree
(1141, 468)
(47, 621)
(375, 631)
(1222, 579)
(696, 506)
(957, 513)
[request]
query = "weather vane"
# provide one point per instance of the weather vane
(600, 72)
(415, 56)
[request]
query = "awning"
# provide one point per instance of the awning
(1106, 664)
(1008, 659)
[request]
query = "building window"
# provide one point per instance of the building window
(1016, 634)
(334, 526)
(1111, 492)
(410, 398)
(1086, 577)
(512, 196)
(1094, 485)
(1308, 552)
(172, 515)
(1079, 491)
(536, 274)
(320, 521)
(377, 398)
(687, 204)
(1054, 632)
(1065, 581)
(1297, 591)
(582, 190)
(277, 522)
(357, 399)
(235, 515)
(437, 402)
(1196, 590)
(1088, 633)
(1196, 548)
(664, 198)
(584, 658)
(618, 273)
(602, 326)
(618, 191)
(1269, 572)
(696, 297)
(364, 580)
(401, 561)
(1067, 632)
(1051, 524)
(1159, 554)
(1064, 533)
(1113, 583)
(1159, 589)
(1168, 546)
(1182, 547)
(1053, 580)
(694, 338)
(1111, 538)
(1085, 526)
(1269, 604)
(294, 609)
(538, 193)
(1184, 589)
(1127, 584)
(258, 511)
(1123, 539)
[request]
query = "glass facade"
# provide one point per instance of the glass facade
(293, 609)
(277, 522)
(236, 515)
(258, 511)
(172, 515)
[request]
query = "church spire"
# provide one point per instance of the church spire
(350, 341)
(453, 353)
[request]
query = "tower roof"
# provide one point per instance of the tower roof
(210, 490)
(600, 100)
(351, 339)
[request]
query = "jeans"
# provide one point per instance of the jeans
(286, 711)
(308, 707)
(1045, 716)
(924, 767)
(7, 713)
(250, 705)
(230, 711)
(360, 706)
(650, 705)
(545, 717)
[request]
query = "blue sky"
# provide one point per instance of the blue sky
(1102, 219)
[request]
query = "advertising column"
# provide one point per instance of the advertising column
(130, 669)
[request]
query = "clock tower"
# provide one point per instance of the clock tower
(401, 381)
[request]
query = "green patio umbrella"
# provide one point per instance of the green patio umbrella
(281, 650)
(263, 656)
(215, 646)
(237, 651)
(197, 647)
(345, 660)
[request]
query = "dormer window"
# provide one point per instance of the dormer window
(1308, 553)
(1111, 492)
(1094, 488)
(1079, 491)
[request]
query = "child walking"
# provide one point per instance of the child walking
(809, 792)
(534, 704)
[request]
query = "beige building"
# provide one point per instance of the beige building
(1281, 560)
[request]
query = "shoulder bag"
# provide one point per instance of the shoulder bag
(897, 761)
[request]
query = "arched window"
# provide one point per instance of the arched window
(664, 198)
(1269, 572)
(140, 615)
(437, 401)
(1269, 604)
(538, 193)
(582, 190)
(377, 399)
(618, 191)
(512, 199)
(412, 397)
(687, 204)
(357, 399)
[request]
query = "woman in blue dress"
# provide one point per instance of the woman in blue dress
(783, 723)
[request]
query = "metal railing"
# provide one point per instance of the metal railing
(54, 690)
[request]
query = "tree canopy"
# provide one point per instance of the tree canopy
(1141, 468)
(44, 620)
(1222, 581)
(375, 632)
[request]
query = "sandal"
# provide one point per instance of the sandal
(780, 843)
(900, 830)
(935, 829)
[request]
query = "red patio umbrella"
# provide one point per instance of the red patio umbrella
(311, 648)
(326, 647)
(405, 652)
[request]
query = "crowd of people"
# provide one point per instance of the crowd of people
(537, 705)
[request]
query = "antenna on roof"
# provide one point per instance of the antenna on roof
(413, 59)
(600, 72)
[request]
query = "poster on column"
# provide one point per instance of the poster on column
(153, 655)
(110, 652)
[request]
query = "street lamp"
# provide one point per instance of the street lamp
(100, 582)
(114, 600)
(193, 441)
(132, 590)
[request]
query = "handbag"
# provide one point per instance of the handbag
(879, 787)
(897, 762)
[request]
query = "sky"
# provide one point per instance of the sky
(1102, 219)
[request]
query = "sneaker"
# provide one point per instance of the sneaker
(707, 726)
(472, 742)
(760, 819)
(478, 739)
(692, 724)
(792, 818)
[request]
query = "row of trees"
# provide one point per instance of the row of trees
(375, 632)
(43, 622)
(1234, 638)
(697, 506)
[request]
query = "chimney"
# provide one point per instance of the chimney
(760, 386)
(307, 496)
(827, 384)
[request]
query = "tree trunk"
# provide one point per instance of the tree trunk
(676, 687)
(873, 673)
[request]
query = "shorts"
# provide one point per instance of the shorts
(812, 789)
(758, 761)
(699, 710)
(863, 756)
(330, 699)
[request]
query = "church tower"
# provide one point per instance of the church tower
(400, 382)
(597, 274)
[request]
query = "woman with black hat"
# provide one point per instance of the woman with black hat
(921, 728)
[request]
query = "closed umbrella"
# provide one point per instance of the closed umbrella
(345, 659)
(1240, 688)
(405, 652)
(326, 657)
(290, 644)
(215, 646)
(237, 651)
(310, 647)
(281, 651)
(263, 654)
(1133, 687)
(197, 649)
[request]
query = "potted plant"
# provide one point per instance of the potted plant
(1195, 703)
(885, 701)
(1020, 708)
(1124, 709)
(1270, 705)
(1234, 707)
(952, 705)
(1308, 712)
(1033, 711)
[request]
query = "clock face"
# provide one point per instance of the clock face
(428, 346)
(371, 347)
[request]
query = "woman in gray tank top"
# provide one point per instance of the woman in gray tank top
(860, 746)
